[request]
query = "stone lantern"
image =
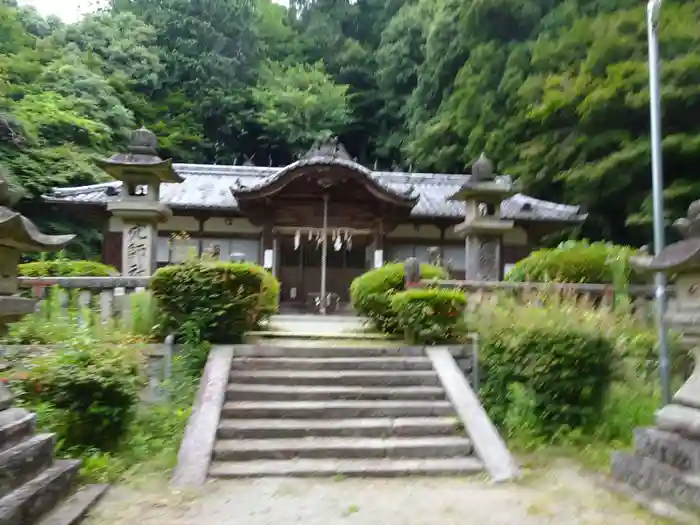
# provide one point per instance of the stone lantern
(141, 172)
(483, 227)
(31, 482)
(667, 456)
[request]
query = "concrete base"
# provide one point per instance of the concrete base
(649, 475)
(664, 464)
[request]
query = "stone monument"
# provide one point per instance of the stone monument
(142, 172)
(411, 267)
(436, 259)
(666, 457)
(31, 482)
(483, 226)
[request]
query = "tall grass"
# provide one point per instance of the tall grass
(59, 317)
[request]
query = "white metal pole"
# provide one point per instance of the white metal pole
(324, 255)
(653, 9)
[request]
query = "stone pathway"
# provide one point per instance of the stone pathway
(562, 495)
(318, 324)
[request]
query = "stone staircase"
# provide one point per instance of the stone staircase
(33, 486)
(324, 411)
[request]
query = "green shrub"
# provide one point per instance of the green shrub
(269, 300)
(371, 293)
(221, 300)
(66, 268)
(429, 315)
(577, 262)
(557, 352)
(85, 391)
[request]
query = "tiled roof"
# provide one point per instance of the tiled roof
(209, 187)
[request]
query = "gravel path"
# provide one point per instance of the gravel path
(562, 495)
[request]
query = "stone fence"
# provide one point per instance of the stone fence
(109, 296)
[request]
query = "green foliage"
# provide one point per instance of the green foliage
(533, 355)
(66, 268)
(371, 293)
(219, 300)
(86, 391)
(563, 360)
(577, 262)
(90, 416)
(143, 314)
(429, 315)
(270, 295)
(60, 318)
(299, 105)
(555, 92)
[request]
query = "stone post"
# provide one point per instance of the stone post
(141, 172)
(411, 273)
(666, 458)
(483, 228)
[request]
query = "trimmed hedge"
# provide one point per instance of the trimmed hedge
(429, 315)
(577, 262)
(371, 293)
(220, 300)
(66, 268)
(560, 354)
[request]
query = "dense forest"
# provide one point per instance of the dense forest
(555, 91)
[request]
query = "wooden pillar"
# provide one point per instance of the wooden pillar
(443, 229)
(378, 244)
(267, 242)
(200, 234)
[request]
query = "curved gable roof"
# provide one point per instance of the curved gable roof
(275, 183)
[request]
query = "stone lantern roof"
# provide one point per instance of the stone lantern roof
(141, 163)
(19, 233)
(681, 256)
(484, 184)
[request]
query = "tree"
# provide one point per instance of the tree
(299, 105)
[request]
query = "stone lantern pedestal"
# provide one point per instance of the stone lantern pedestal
(31, 482)
(483, 228)
(666, 457)
(142, 172)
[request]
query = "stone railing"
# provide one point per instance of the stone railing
(108, 296)
(639, 297)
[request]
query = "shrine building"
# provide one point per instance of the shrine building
(277, 216)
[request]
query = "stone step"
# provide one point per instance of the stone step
(334, 409)
(330, 350)
(347, 378)
(15, 425)
(39, 495)
(72, 510)
(347, 467)
(371, 427)
(257, 392)
(332, 363)
(342, 448)
(24, 461)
